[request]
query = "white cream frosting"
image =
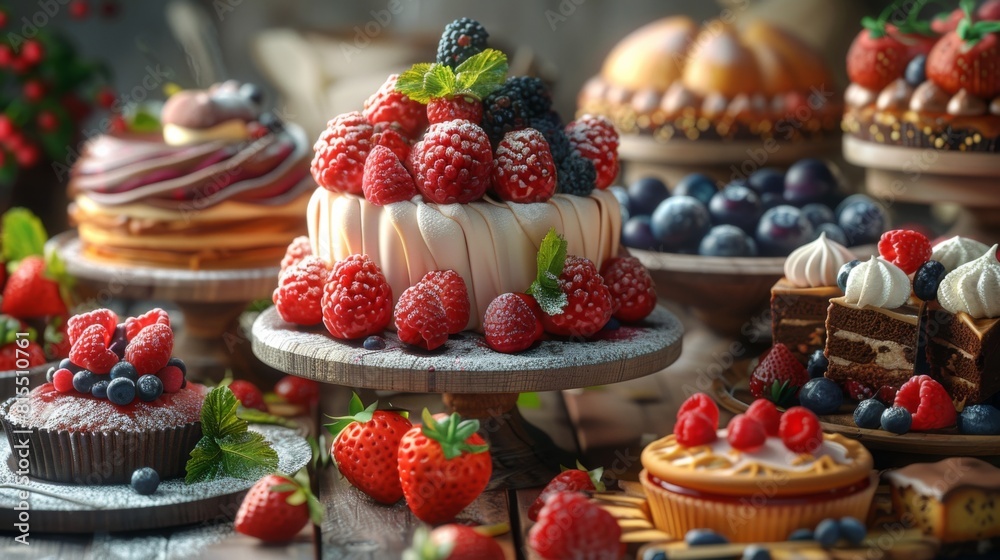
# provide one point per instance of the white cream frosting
(774, 454)
(492, 244)
(974, 287)
(816, 264)
(955, 252)
(878, 283)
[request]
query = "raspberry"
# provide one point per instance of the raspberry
(452, 163)
(589, 300)
(390, 106)
(149, 351)
(339, 162)
(461, 40)
(694, 429)
(104, 317)
(764, 411)
(576, 175)
(595, 138)
(632, 289)
(62, 380)
(90, 351)
(133, 325)
(514, 104)
(299, 294)
(444, 109)
(248, 394)
(523, 169)
(928, 402)
(512, 323)
(886, 394)
(172, 378)
(905, 248)
(700, 402)
(420, 318)
(857, 390)
(800, 430)
(386, 135)
(385, 179)
(745, 433)
(454, 297)
(357, 299)
(298, 249)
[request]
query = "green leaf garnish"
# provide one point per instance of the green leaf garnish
(22, 235)
(451, 434)
(254, 416)
(481, 74)
(477, 77)
(226, 447)
(545, 288)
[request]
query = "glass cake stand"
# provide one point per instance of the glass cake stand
(210, 300)
(474, 380)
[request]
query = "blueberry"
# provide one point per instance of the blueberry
(612, 325)
(50, 373)
(179, 364)
(916, 70)
(727, 241)
(781, 230)
(853, 530)
(756, 552)
(100, 389)
(124, 369)
(374, 343)
(845, 272)
(827, 533)
(66, 363)
(767, 180)
(680, 222)
(145, 481)
(623, 201)
(896, 420)
(801, 535)
(771, 200)
(697, 185)
(735, 205)
(818, 214)
(868, 414)
(149, 388)
(253, 93)
(652, 554)
(833, 233)
(121, 391)
(638, 234)
(83, 380)
(809, 180)
(927, 279)
(980, 420)
(850, 200)
(862, 221)
(817, 364)
(701, 537)
(645, 195)
(119, 341)
(821, 395)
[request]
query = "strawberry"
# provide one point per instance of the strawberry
(29, 293)
(946, 22)
(366, 449)
(876, 59)
(421, 319)
(459, 107)
(966, 58)
(297, 250)
(149, 351)
(589, 303)
(91, 351)
(569, 480)
(104, 317)
(595, 138)
(246, 392)
(277, 507)
(452, 163)
(905, 248)
(14, 356)
(454, 296)
(928, 402)
(299, 294)
(631, 286)
(989, 11)
(297, 390)
(443, 466)
(455, 542)
(357, 299)
(56, 338)
(155, 316)
(388, 106)
(385, 179)
(523, 168)
(512, 323)
(340, 153)
(778, 376)
(571, 526)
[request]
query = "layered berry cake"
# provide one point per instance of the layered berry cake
(221, 184)
(120, 402)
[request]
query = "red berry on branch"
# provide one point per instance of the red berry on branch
(106, 97)
(34, 90)
(77, 109)
(117, 124)
(6, 56)
(3, 18)
(47, 121)
(79, 9)
(7, 127)
(110, 9)
(15, 140)
(32, 52)
(28, 155)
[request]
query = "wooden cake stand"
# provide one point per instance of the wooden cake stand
(210, 300)
(475, 381)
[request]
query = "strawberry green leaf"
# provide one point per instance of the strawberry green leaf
(356, 412)
(22, 235)
(55, 270)
(545, 288)
(451, 433)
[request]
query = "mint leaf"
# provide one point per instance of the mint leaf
(423, 82)
(218, 414)
(439, 81)
(205, 463)
(411, 82)
(481, 74)
(22, 235)
(254, 416)
(247, 456)
(226, 447)
(545, 288)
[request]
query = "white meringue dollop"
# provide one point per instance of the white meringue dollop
(878, 283)
(816, 264)
(974, 287)
(955, 252)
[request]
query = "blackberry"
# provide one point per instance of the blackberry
(576, 175)
(513, 104)
(461, 40)
(553, 129)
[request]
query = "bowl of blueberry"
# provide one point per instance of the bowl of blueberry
(720, 248)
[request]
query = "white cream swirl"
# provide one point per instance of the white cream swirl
(974, 287)
(816, 264)
(955, 252)
(878, 283)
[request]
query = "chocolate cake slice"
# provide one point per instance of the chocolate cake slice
(798, 317)
(871, 345)
(964, 354)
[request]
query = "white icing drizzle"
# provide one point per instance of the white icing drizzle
(816, 264)
(878, 283)
(955, 252)
(974, 287)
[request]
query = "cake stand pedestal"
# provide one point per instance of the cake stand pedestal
(929, 176)
(475, 381)
(211, 301)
